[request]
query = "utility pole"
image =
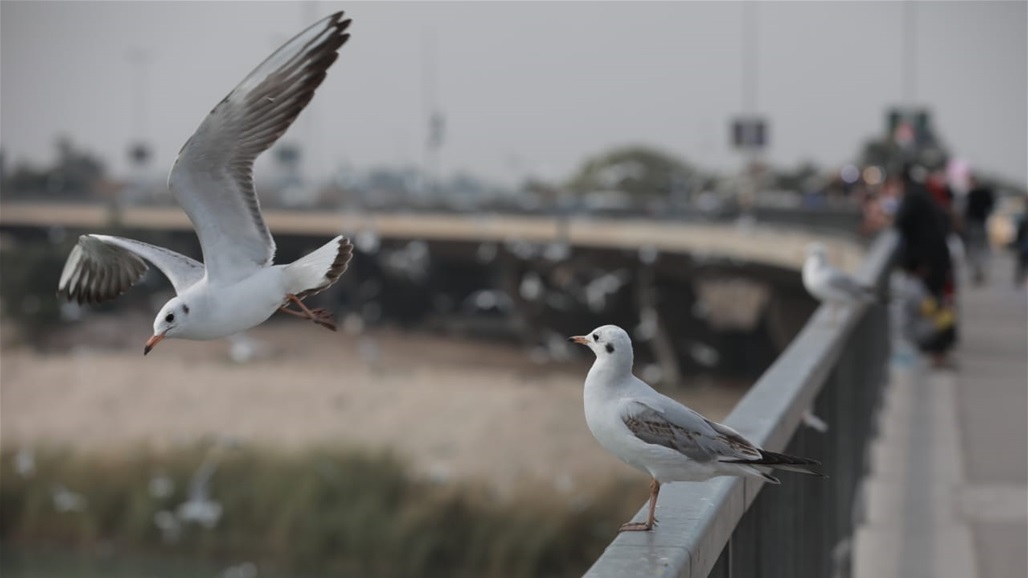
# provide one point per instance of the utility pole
(139, 152)
(435, 122)
(749, 130)
(749, 58)
(909, 64)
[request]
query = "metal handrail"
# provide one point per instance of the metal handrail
(727, 526)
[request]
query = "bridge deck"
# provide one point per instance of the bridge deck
(949, 490)
(777, 246)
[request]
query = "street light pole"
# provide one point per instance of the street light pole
(432, 118)
(749, 58)
(138, 150)
(750, 87)
(909, 64)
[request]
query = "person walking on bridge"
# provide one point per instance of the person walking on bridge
(978, 207)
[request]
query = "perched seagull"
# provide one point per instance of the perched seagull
(656, 434)
(830, 285)
(236, 287)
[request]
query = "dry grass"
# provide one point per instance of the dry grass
(336, 512)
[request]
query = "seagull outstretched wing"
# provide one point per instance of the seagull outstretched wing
(213, 175)
(101, 267)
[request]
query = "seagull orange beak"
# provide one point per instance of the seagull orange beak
(579, 340)
(151, 342)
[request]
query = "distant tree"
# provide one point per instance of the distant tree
(540, 187)
(395, 180)
(637, 170)
(464, 183)
(25, 178)
(799, 179)
(75, 173)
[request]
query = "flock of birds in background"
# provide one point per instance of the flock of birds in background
(238, 287)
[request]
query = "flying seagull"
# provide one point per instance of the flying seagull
(830, 285)
(237, 286)
(656, 434)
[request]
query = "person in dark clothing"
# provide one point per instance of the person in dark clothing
(923, 227)
(978, 207)
(1020, 247)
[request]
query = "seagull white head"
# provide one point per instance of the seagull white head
(172, 320)
(608, 341)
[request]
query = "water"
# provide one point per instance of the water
(63, 563)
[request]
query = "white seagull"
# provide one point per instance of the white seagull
(656, 434)
(830, 285)
(237, 286)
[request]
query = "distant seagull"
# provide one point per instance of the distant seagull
(487, 300)
(660, 436)
(199, 507)
(237, 287)
(25, 462)
(66, 500)
(828, 284)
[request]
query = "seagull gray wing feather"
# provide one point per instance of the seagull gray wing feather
(101, 267)
(213, 176)
(672, 425)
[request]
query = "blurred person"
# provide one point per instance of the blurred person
(939, 188)
(926, 321)
(924, 226)
(890, 195)
(874, 216)
(1020, 247)
(880, 205)
(977, 208)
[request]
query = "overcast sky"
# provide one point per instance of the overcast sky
(525, 87)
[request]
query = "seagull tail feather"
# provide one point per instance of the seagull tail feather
(319, 269)
(783, 462)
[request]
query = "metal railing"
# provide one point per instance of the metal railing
(728, 527)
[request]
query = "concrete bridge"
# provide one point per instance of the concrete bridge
(728, 288)
(778, 246)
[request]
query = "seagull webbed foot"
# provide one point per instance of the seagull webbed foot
(321, 316)
(635, 527)
(324, 318)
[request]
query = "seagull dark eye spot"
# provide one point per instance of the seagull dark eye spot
(185, 309)
(596, 337)
(169, 317)
(610, 348)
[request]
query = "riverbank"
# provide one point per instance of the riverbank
(382, 452)
(454, 408)
(321, 512)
